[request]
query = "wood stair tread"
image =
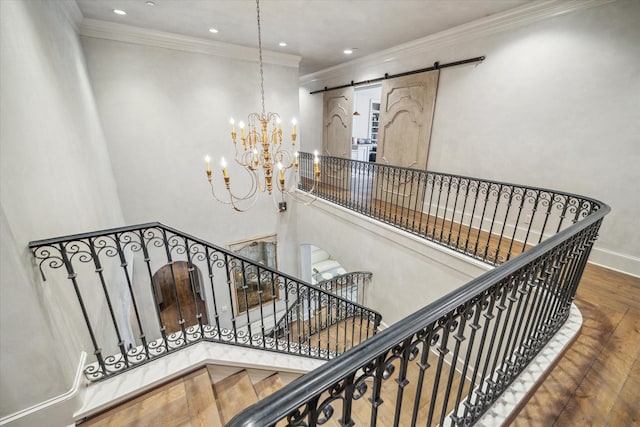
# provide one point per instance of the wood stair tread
(268, 386)
(234, 394)
(201, 400)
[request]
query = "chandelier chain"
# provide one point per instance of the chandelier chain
(260, 57)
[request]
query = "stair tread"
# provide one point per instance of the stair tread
(201, 400)
(234, 394)
(163, 406)
(269, 385)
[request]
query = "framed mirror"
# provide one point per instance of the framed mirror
(250, 288)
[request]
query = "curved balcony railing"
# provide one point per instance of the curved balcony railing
(148, 290)
(448, 362)
(488, 220)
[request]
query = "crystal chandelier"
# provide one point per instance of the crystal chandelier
(261, 153)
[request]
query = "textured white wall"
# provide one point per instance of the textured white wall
(162, 111)
(408, 272)
(55, 179)
(310, 121)
(556, 104)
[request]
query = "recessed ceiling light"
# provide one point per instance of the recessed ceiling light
(348, 51)
(213, 30)
(282, 44)
(119, 12)
(151, 3)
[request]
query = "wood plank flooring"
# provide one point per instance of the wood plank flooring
(597, 381)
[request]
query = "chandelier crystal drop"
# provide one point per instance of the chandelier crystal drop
(263, 156)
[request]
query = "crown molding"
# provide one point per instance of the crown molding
(511, 19)
(154, 38)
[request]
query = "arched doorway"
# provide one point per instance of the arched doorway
(180, 295)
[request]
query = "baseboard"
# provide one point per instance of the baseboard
(616, 261)
(55, 411)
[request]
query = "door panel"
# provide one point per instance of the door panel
(406, 116)
(338, 113)
(336, 138)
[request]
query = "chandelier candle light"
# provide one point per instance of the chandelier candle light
(263, 152)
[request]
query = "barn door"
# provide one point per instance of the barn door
(406, 115)
(336, 137)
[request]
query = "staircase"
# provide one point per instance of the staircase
(209, 396)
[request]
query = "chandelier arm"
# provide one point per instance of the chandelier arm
(213, 193)
(287, 157)
(293, 195)
(253, 191)
(293, 190)
(237, 208)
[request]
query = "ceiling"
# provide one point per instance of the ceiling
(317, 30)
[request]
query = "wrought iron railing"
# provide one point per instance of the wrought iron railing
(349, 286)
(148, 290)
(448, 362)
(487, 220)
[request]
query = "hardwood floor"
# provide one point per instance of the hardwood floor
(597, 381)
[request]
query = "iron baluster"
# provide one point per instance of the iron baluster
(432, 179)
(213, 290)
(476, 308)
(532, 294)
(136, 310)
(486, 382)
(300, 325)
(245, 287)
(496, 381)
(455, 205)
(181, 321)
(193, 281)
(442, 350)
(458, 338)
(156, 305)
(99, 271)
(423, 337)
(464, 209)
(274, 286)
(375, 398)
(402, 380)
(534, 209)
(482, 216)
(547, 215)
(435, 222)
(71, 275)
(504, 222)
(563, 215)
(473, 214)
(517, 223)
(231, 288)
(260, 304)
(493, 221)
